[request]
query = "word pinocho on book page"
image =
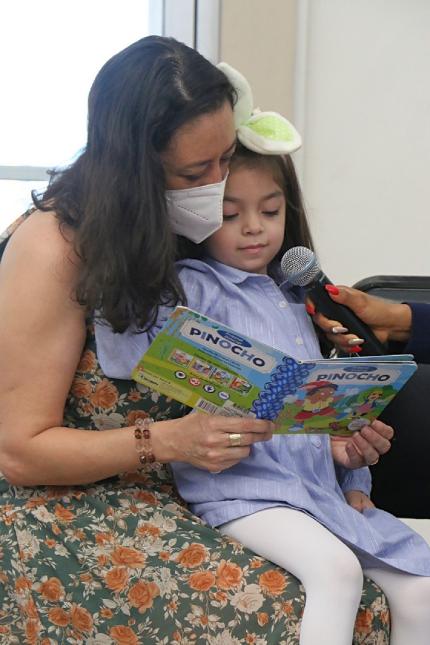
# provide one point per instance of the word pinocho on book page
(211, 368)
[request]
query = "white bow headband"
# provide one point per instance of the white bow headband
(267, 133)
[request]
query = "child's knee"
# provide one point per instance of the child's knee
(348, 571)
(342, 573)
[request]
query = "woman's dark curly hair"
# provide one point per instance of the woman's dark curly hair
(112, 196)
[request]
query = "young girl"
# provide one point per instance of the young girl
(287, 501)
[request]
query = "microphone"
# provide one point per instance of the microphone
(300, 267)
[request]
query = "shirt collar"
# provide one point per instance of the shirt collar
(236, 276)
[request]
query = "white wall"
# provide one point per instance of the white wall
(364, 111)
(258, 37)
(354, 76)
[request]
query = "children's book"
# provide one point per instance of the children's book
(212, 368)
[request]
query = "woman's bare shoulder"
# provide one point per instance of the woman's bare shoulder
(39, 243)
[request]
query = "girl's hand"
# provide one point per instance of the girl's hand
(363, 448)
(358, 500)
(211, 442)
(389, 321)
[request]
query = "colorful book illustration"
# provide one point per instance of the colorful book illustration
(212, 368)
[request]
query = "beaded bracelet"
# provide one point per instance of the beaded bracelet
(142, 435)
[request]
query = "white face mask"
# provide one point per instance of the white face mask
(196, 213)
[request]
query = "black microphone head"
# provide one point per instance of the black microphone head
(300, 266)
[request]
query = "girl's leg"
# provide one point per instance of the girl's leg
(329, 570)
(409, 601)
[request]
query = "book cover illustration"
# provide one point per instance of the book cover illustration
(210, 367)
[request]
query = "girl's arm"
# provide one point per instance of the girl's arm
(42, 333)
(119, 353)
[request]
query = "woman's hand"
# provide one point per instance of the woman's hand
(211, 442)
(363, 448)
(358, 500)
(389, 321)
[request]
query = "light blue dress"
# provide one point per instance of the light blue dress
(294, 471)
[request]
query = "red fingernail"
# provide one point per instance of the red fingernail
(356, 349)
(332, 289)
(310, 309)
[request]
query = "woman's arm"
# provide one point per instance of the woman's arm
(419, 339)
(42, 333)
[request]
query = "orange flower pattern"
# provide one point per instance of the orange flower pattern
(81, 619)
(229, 575)
(59, 616)
(52, 589)
(124, 635)
(142, 594)
(201, 580)
(105, 395)
(273, 582)
(116, 579)
(124, 562)
(192, 556)
(123, 555)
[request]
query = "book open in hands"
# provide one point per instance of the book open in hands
(211, 368)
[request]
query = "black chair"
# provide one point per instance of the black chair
(397, 287)
(401, 479)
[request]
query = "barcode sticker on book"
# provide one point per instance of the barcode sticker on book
(207, 406)
(229, 409)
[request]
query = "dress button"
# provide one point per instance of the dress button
(299, 340)
(316, 441)
(283, 304)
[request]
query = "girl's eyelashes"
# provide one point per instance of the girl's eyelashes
(274, 213)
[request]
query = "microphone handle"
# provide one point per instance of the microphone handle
(323, 303)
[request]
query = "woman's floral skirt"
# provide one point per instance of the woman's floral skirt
(124, 563)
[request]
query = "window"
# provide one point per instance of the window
(50, 52)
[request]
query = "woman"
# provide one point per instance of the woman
(95, 547)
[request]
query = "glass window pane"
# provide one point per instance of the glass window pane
(50, 52)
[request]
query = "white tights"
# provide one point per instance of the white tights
(333, 578)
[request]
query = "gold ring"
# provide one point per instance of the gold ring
(235, 439)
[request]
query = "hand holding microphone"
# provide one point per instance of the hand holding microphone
(300, 267)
